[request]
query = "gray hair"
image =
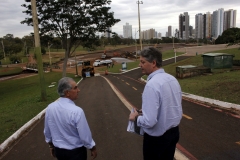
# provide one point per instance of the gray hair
(64, 85)
(151, 54)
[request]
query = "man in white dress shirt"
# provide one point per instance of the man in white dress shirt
(161, 108)
(66, 129)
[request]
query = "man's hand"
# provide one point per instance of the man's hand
(52, 149)
(52, 152)
(133, 115)
(94, 152)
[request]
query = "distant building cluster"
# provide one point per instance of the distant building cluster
(208, 25)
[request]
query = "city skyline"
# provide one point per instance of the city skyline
(153, 13)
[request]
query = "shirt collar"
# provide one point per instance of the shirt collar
(64, 99)
(160, 70)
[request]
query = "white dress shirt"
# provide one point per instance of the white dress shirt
(66, 125)
(161, 103)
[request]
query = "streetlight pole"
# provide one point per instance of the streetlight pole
(173, 45)
(139, 24)
(38, 50)
(136, 43)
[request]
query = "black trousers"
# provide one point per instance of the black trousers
(75, 154)
(162, 147)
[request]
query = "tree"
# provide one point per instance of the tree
(230, 36)
(11, 45)
(74, 21)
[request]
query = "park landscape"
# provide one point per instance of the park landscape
(20, 98)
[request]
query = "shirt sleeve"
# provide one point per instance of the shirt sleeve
(150, 108)
(47, 133)
(84, 131)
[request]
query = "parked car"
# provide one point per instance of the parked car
(97, 63)
(106, 62)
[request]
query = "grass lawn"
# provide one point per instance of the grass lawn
(223, 84)
(10, 71)
(20, 101)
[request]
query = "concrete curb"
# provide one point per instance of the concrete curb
(212, 101)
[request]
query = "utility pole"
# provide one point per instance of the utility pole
(173, 45)
(38, 51)
(136, 43)
(139, 24)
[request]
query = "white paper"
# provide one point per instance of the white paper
(130, 127)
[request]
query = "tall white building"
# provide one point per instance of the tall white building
(229, 19)
(199, 26)
(127, 31)
(148, 34)
(184, 26)
(107, 34)
(169, 31)
(217, 22)
(159, 36)
(207, 25)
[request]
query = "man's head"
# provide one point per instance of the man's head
(150, 60)
(67, 87)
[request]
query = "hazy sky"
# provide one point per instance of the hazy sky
(157, 14)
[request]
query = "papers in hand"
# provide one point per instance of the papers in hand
(133, 128)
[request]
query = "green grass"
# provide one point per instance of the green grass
(10, 71)
(20, 101)
(223, 84)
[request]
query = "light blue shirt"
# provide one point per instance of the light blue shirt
(66, 125)
(161, 103)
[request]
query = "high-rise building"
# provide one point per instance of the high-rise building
(191, 31)
(184, 26)
(107, 33)
(217, 22)
(127, 31)
(207, 25)
(166, 35)
(169, 31)
(148, 34)
(199, 26)
(159, 36)
(229, 19)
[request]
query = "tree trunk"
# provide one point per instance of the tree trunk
(65, 63)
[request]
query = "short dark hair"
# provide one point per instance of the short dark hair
(151, 54)
(64, 85)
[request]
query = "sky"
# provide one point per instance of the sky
(156, 14)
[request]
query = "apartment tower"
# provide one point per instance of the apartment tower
(184, 26)
(169, 31)
(127, 31)
(217, 22)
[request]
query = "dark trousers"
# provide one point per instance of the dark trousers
(162, 147)
(75, 154)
